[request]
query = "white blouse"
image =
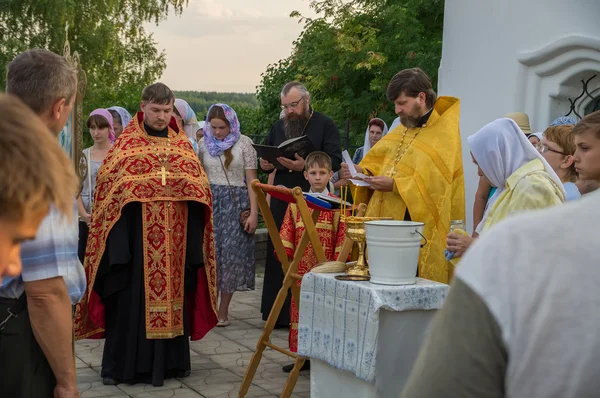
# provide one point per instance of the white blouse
(244, 158)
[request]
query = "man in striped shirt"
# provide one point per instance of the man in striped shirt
(36, 348)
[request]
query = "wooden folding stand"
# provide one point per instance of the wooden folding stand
(290, 270)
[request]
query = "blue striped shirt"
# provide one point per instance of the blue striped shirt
(51, 254)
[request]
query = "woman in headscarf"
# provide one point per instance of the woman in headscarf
(523, 178)
(121, 118)
(186, 117)
(484, 190)
(376, 130)
(535, 138)
(102, 131)
(230, 163)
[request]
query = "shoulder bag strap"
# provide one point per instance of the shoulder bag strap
(15, 310)
(89, 176)
(228, 183)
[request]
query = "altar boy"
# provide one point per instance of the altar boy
(318, 172)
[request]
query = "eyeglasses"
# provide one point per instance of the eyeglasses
(544, 148)
(292, 105)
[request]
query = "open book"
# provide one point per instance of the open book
(287, 149)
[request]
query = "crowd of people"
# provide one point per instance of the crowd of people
(166, 216)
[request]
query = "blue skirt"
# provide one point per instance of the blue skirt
(236, 263)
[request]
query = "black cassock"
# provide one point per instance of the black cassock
(128, 355)
(325, 137)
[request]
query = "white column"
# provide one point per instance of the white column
(516, 55)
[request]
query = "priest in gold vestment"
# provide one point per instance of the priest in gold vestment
(415, 171)
(150, 258)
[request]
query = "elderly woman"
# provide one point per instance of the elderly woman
(523, 178)
(376, 129)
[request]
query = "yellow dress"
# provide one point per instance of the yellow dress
(428, 180)
(528, 188)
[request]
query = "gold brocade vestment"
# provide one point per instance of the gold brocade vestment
(164, 175)
(428, 181)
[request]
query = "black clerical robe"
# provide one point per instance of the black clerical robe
(325, 137)
(150, 260)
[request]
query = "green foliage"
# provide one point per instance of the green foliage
(117, 54)
(200, 101)
(244, 104)
(347, 55)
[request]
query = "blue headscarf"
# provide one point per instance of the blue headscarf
(214, 146)
(559, 121)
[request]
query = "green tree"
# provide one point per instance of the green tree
(349, 52)
(200, 101)
(117, 54)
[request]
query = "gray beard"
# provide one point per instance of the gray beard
(410, 122)
(294, 128)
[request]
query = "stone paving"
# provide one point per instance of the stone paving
(219, 362)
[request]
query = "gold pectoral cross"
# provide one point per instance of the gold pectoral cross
(164, 172)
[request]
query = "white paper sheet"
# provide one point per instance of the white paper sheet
(346, 158)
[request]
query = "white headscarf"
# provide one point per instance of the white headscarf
(500, 148)
(189, 121)
(367, 145)
(538, 135)
(395, 123)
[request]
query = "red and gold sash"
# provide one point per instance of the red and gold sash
(162, 174)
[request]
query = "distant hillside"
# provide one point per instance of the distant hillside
(200, 101)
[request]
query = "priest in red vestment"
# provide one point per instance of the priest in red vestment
(150, 258)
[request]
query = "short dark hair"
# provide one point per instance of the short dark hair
(589, 122)
(158, 93)
(318, 159)
(40, 78)
(411, 82)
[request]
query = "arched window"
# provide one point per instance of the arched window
(592, 106)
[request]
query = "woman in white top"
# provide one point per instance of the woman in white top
(230, 163)
(102, 131)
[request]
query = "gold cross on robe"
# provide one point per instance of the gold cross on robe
(164, 172)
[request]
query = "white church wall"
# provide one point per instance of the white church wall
(516, 55)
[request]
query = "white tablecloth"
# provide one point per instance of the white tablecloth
(339, 320)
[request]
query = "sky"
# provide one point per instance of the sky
(225, 45)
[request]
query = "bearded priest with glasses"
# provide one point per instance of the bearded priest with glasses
(299, 119)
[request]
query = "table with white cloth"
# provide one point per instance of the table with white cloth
(362, 338)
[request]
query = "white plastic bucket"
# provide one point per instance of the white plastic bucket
(394, 248)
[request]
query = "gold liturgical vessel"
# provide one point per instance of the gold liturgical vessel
(355, 230)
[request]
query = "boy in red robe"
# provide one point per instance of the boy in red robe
(318, 172)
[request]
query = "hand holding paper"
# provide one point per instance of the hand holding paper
(357, 178)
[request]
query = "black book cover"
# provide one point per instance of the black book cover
(287, 149)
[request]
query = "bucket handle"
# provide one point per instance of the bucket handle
(422, 236)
